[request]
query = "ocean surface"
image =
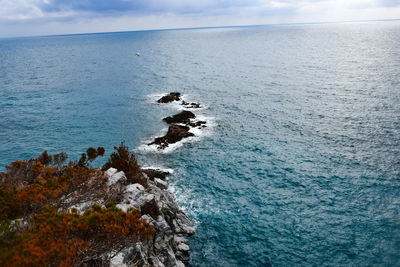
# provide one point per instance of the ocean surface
(300, 162)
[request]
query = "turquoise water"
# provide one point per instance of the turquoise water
(300, 163)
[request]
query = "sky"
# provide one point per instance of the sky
(47, 17)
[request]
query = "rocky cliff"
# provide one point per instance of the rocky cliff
(169, 246)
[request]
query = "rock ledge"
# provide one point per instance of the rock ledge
(158, 207)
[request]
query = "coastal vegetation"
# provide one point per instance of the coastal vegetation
(42, 223)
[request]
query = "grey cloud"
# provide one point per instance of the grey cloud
(388, 3)
(148, 7)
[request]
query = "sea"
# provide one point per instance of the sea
(299, 164)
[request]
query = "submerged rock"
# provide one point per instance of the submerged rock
(175, 134)
(182, 117)
(190, 105)
(173, 96)
(197, 124)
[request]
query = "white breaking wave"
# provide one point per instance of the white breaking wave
(199, 133)
(182, 107)
(170, 148)
(187, 203)
(154, 148)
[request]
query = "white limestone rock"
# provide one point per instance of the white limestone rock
(161, 184)
(115, 177)
(169, 246)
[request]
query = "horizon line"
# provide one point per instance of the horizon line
(201, 28)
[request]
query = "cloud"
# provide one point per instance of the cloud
(22, 9)
(31, 9)
(389, 3)
(19, 9)
(146, 7)
(27, 17)
(93, 6)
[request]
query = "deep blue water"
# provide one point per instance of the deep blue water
(302, 163)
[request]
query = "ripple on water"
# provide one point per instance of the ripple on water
(302, 165)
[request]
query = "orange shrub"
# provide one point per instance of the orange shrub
(67, 238)
(33, 233)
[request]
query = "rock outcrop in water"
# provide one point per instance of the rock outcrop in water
(175, 134)
(182, 117)
(180, 124)
(173, 96)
